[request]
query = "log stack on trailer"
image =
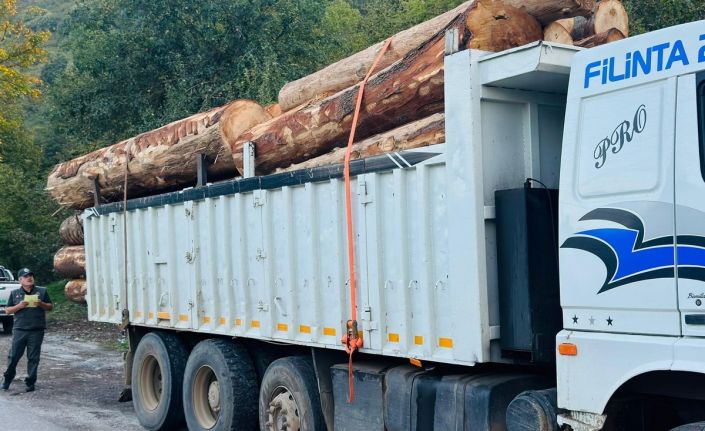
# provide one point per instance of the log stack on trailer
(403, 108)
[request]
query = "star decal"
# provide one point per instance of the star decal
(609, 321)
(592, 320)
(575, 319)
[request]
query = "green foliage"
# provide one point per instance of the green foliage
(650, 15)
(64, 311)
(28, 232)
(136, 64)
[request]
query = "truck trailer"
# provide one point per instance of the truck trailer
(543, 269)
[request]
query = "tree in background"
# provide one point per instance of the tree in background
(27, 230)
(650, 15)
(138, 64)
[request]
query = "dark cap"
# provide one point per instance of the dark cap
(23, 272)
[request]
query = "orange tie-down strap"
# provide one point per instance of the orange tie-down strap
(351, 340)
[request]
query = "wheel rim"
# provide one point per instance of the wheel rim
(151, 383)
(283, 412)
(206, 397)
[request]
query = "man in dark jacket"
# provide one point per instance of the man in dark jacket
(29, 304)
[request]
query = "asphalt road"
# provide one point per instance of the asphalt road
(77, 389)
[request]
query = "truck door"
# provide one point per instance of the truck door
(690, 202)
(617, 212)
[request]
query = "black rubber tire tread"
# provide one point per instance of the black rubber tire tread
(699, 426)
(171, 353)
(297, 374)
(237, 379)
(262, 358)
(7, 325)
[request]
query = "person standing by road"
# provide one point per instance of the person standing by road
(29, 304)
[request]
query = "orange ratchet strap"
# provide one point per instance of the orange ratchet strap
(351, 340)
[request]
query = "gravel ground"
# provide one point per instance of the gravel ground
(80, 379)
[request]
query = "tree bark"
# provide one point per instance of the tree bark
(157, 161)
(71, 230)
(70, 261)
(409, 89)
(547, 11)
(610, 14)
(611, 35)
(75, 291)
(351, 70)
(421, 133)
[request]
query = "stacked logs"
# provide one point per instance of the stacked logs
(608, 22)
(70, 260)
(403, 108)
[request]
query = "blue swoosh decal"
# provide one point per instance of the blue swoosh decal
(628, 258)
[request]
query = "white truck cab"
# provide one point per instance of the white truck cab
(632, 221)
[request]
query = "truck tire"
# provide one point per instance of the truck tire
(157, 381)
(220, 387)
(7, 325)
(533, 411)
(289, 394)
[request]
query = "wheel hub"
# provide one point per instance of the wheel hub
(214, 396)
(283, 414)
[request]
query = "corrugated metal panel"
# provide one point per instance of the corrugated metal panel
(272, 264)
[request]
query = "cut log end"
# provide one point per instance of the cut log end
(610, 14)
(71, 230)
(70, 261)
(76, 290)
(559, 32)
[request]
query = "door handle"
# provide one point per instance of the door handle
(695, 319)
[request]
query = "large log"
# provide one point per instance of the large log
(70, 261)
(351, 70)
(71, 230)
(75, 291)
(559, 31)
(611, 35)
(610, 14)
(551, 10)
(421, 133)
(237, 118)
(160, 160)
(409, 89)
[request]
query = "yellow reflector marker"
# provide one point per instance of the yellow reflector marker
(151, 315)
(183, 317)
(163, 315)
(255, 324)
(304, 329)
(329, 331)
(418, 340)
(415, 362)
(221, 321)
(568, 349)
(138, 314)
(206, 319)
(393, 338)
(238, 322)
(283, 327)
(445, 342)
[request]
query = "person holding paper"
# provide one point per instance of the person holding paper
(29, 304)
